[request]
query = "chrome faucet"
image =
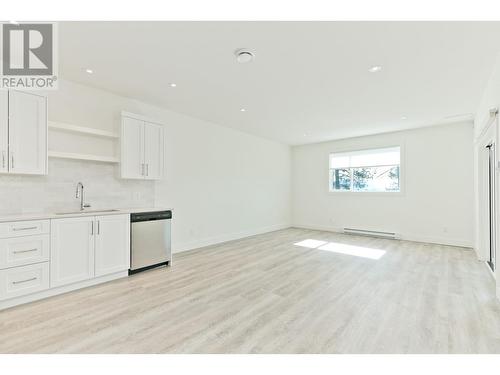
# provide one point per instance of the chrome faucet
(79, 194)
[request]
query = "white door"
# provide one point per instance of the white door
(112, 244)
(132, 148)
(153, 150)
(4, 133)
(491, 184)
(71, 250)
(27, 133)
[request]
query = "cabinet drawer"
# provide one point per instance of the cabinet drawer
(24, 228)
(20, 251)
(19, 281)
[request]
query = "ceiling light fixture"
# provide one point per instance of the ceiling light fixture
(404, 118)
(375, 69)
(243, 55)
(243, 110)
(173, 85)
(89, 71)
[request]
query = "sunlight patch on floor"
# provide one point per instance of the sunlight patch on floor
(341, 248)
(311, 244)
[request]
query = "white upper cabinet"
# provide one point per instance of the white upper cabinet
(141, 148)
(112, 244)
(132, 148)
(153, 151)
(4, 131)
(23, 116)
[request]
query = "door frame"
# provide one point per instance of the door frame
(488, 136)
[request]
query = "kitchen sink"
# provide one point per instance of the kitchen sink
(85, 212)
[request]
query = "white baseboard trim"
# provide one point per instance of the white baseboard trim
(402, 236)
(192, 245)
(438, 240)
(60, 290)
(479, 255)
(317, 227)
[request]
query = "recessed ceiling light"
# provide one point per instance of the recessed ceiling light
(375, 69)
(243, 110)
(244, 56)
(404, 118)
(173, 85)
(89, 71)
(305, 134)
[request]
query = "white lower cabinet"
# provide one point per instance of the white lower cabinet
(112, 244)
(24, 258)
(20, 251)
(19, 281)
(38, 257)
(71, 250)
(24, 228)
(86, 247)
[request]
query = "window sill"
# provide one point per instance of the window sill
(368, 193)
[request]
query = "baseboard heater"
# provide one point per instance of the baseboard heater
(370, 233)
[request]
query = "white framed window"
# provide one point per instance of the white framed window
(373, 170)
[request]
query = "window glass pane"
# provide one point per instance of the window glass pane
(340, 161)
(362, 178)
(366, 158)
(341, 179)
(376, 158)
(376, 179)
(375, 170)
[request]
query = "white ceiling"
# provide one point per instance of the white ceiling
(309, 81)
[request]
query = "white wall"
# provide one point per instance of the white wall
(56, 192)
(221, 183)
(490, 99)
(437, 202)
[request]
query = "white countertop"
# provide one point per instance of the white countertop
(69, 213)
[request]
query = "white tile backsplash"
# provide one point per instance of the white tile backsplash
(56, 192)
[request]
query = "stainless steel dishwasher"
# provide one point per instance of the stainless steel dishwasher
(150, 236)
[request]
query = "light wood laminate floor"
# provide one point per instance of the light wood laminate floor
(264, 294)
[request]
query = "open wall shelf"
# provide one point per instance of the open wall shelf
(82, 130)
(75, 156)
(68, 141)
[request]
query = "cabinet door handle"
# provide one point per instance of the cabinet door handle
(24, 251)
(25, 228)
(147, 169)
(11, 160)
(92, 228)
(99, 227)
(142, 169)
(24, 281)
(3, 159)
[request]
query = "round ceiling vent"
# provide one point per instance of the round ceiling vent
(244, 56)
